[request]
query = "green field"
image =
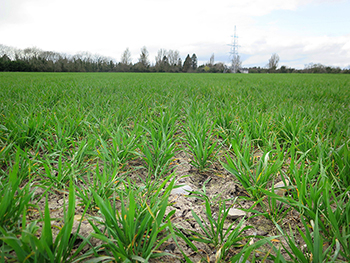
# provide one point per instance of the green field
(110, 147)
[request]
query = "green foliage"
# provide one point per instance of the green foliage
(159, 147)
(117, 136)
(13, 199)
(336, 214)
(120, 147)
(201, 143)
(341, 165)
(29, 248)
(136, 229)
(104, 183)
(314, 244)
(253, 176)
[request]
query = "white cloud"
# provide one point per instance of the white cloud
(298, 52)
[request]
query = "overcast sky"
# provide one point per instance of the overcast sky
(299, 31)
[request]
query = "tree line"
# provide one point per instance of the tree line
(37, 60)
(272, 67)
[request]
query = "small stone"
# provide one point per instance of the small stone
(278, 188)
(183, 190)
(236, 213)
(241, 260)
(169, 248)
(262, 233)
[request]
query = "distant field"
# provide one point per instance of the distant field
(131, 137)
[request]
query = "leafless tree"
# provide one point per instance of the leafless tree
(273, 61)
(236, 64)
(144, 57)
(160, 56)
(211, 61)
(126, 57)
(32, 52)
(173, 56)
(8, 51)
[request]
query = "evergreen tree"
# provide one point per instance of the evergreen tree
(194, 62)
(187, 64)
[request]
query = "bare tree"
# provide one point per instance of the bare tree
(160, 56)
(211, 61)
(126, 57)
(144, 57)
(176, 57)
(170, 57)
(10, 52)
(236, 64)
(32, 52)
(273, 61)
(164, 59)
(173, 56)
(85, 56)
